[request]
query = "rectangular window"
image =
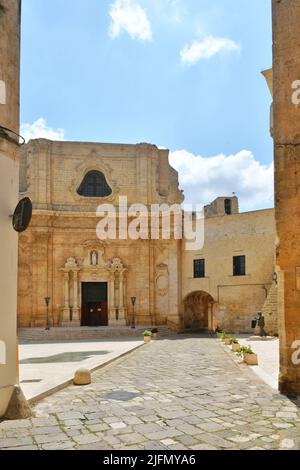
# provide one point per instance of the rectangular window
(199, 268)
(239, 265)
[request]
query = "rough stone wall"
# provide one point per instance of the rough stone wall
(270, 311)
(286, 70)
(217, 207)
(237, 300)
(10, 63)
(9, 173)
(51, 173)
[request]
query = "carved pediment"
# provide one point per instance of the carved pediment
(71, 263)
(117, 265)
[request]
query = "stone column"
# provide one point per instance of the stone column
(76, 310)
(111, 307)
(121, 291)
(122, 319)
(66, 311)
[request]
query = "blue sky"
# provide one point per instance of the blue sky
(183, 74)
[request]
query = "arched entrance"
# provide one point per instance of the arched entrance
(198, 311)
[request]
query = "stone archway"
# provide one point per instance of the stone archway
(198, 311)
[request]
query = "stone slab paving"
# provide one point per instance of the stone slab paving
(268, 357)
(183, 393)
(48, 365)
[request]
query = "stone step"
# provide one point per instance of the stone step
(85, 333)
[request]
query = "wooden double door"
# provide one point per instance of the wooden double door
(94, 304)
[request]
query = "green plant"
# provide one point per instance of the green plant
(147, 333)
(244, 350)
(234, 341)
(224, 335)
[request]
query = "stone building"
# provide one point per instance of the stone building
(91, 281)
(9, 178)
(231, 279)
(286, 133)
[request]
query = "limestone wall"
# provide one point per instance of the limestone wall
(9, 168)
(64, 226)
(43, 253)
(270, 310)
(51, 173)
(236, 299)
(286, 71)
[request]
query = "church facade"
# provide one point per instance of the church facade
(91, 281)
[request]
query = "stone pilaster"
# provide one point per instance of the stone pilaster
(66, 311)
(121, 319)
(76, 309)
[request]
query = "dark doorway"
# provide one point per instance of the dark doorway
(94, 304)
(198, 311)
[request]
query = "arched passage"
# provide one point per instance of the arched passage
(198, 311)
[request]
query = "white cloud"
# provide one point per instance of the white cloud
(170, 11)
(129, 16)
(204, 179)
(207, 48)
(40, 130)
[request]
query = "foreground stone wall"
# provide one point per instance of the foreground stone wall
(9, 175)
(286, 70)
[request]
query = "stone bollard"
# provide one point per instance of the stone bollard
(82, 377)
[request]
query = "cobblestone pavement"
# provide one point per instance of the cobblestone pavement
(183, 393)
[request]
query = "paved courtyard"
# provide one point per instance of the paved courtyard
(268, 356)
(181, 393)
(46, 366)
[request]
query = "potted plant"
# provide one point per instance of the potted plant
(154, 333)
(147, 336)
(223, 336)
(226, 339)
(235, 346)
(219, 334)
(250, 358)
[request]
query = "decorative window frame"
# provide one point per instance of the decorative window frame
(162, 279)
(93, 164)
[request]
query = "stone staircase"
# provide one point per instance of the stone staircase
(28, 335)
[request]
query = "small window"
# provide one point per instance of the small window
(239, 265)
(94, 184)
(228, 206)
(199, 268)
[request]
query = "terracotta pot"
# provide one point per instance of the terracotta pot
(147, 339)
(227, 341)
(154, 335)
(251, 359)
(235, 347)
